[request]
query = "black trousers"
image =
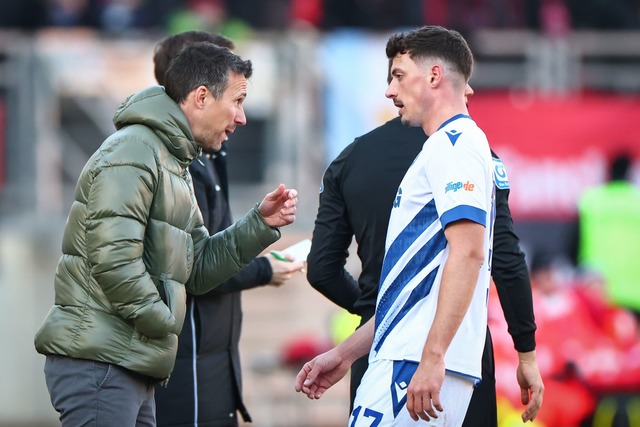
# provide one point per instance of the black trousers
(482, 410)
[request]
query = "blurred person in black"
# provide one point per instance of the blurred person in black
(25, 14)
(604, 15)
(206, 385)
(377, 15)
(356, 196)
(36, 14)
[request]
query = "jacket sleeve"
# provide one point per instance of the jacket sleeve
(511, 276)
(217, 258)
(332, 236)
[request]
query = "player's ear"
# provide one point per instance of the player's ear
(435, 74)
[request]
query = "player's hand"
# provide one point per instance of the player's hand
(278, 208)
(531, 385)
(423, 393)
(318, 375)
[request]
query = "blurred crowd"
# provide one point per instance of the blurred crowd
(587, 312)
(587, 347)
(242, 15)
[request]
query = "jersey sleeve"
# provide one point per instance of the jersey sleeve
(457, 173)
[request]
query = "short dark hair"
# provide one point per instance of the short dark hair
(433, 41)
(203, 64)
(170, 46)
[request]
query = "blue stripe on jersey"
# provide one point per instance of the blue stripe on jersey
(464, 212)
(419, 261)
(427, 215)
(421, 291)
(456, 117)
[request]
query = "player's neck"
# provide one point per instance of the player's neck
(441, 115)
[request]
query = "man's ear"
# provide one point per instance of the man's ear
(435, 75)
(200, 95)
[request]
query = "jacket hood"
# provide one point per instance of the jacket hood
(153, 108)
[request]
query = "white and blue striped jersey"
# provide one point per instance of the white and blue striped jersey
(450, 179)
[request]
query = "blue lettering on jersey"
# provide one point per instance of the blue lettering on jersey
(500, 177)
(396, 202)
(453, 135)
(455, 186)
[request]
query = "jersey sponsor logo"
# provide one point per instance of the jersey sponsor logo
(500, 177)
(396, 202)
(455, 186)
(453, 135)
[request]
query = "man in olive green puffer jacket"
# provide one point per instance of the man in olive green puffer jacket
(134, 243)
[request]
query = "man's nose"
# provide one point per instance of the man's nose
(241, 118)
(390, 92)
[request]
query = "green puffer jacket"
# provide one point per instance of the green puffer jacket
(134, 242)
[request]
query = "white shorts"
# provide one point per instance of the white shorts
(382, 396)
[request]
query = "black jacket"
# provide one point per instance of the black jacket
(356, 196)
(212, 328)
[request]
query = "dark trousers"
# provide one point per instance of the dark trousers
(96, 394)
(482, 410)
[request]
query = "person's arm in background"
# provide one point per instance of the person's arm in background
(332, 236)
(511, 276)
(263, 270)
(243, 241)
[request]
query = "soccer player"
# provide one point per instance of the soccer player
(348, 209)
(427, 340)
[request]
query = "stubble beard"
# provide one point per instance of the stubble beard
(407, 122)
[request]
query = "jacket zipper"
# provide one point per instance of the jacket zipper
(194, 362)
